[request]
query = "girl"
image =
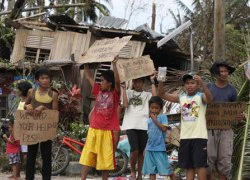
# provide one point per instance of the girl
(13, 151)
(22, 91)
(135, 122)
(156, 159)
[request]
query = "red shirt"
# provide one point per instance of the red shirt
(13, 148)
(105, 115)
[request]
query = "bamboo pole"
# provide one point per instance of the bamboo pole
(47, 7)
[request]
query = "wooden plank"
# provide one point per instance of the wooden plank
(19, 45)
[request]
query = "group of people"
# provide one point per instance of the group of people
(34, 100)
(202, 151)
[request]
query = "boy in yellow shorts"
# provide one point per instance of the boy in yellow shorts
(102, 135)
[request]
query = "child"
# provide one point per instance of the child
(13, 151)
(135, 122)
(193, 136)
(104, 127)
(22, 91)
(156, 159)
(38, 100)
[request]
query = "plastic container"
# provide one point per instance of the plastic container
(162, 71)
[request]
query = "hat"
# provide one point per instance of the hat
(188, 76)
(215, 67)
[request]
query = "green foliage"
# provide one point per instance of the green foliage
(78, 130)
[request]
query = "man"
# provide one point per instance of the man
(220, 142)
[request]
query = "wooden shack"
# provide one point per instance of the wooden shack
(69, 41)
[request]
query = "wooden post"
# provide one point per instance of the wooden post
(153, 15)
(219, 30)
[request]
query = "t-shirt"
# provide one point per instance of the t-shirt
(21, 105)
(225, 94)
(105, 115)
(137, 113)
(193, 121)
(13, 148)
(156, 137)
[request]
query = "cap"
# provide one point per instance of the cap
(188, 76)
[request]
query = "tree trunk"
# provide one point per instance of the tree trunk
(219, 30)
(153, 15)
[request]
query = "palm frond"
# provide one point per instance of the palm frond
(184, 7)
(103, 9)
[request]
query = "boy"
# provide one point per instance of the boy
(193, 137)
(38, 100)
(156, 159)
(104, 128)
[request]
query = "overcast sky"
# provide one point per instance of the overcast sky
(144, 16)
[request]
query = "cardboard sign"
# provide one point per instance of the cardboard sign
(219, 115)
(31, 129)
(223, 115)
(105, 50)
(135, 68)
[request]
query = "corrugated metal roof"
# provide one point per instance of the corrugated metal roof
(111, 22)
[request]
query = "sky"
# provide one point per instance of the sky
(142, 10)
(143, 15)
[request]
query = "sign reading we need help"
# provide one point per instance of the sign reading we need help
(31, 129)
(135, 68)
(104, 50)
(223, 115)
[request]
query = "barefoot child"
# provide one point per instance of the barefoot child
(13, 151)
(193, 137)
(135, 118)
(102, 135)
(156, 159)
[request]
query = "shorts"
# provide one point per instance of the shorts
(24, 148)
(14, 158)
(98, 151)
(156, 162)
(220, 150)
(192, 153)
(137, 139)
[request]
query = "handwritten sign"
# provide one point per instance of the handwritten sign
(219, 115)
(104, 50)
(135, 68)
(223, 115)
(31, 129)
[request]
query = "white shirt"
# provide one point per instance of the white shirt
(136, 116)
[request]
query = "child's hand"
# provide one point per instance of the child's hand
(153, 116)
(29, 107)
(116, 59)
(153, 76)
(198, 79)
(38, 110)
(123, 85)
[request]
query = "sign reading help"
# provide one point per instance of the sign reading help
(105, 50)
(31, 129)
(135, 68)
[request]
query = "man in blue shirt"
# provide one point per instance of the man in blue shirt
(220, 142)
